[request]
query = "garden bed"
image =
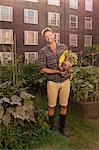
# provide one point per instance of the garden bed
(88, 110)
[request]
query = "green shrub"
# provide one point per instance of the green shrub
(89, 56)
(85, 84)
(24, 135)
(21, 126)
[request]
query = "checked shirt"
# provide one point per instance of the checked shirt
(49, 59)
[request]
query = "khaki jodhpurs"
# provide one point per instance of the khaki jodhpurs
(55, 89)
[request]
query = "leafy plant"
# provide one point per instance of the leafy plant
(21, 125)
(23, 134)
(85, 84)
(32, 77)
(17, 106)
(89, 56)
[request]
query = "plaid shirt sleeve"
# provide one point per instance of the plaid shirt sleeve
(42, 58)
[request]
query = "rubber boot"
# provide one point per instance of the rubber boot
(62, 125)
(51, 122)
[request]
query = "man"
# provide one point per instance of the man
(58, 82)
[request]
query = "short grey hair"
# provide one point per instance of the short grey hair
(46, 30)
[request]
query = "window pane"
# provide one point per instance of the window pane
(31, 0)
(53, 19)
(89, 5)
(88, 41)
(73, 4)
(30, 37)
(5, 57)
(6, 13)
(73, 40)
(57, 37)
(73, 21)
(88, 23)
(30, 16)
(54, 2)
(30, 57)
(6, 36)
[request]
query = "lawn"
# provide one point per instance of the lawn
(84, 135)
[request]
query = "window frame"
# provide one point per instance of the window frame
(54, 2)
(87, 26)
(35, 57)
(35, 1)
(6, 16)
(71, 43)
(57, 19)
(73, 4)
(6, 36)
(89, 5)
(86, 42)
(71, 22)
(5, 57)
(57, 37)
(27, 40)
(26, 16)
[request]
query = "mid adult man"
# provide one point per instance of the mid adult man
(58, 82)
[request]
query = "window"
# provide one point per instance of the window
(5, 57)
(54, 2)
(6, 13)
(88, 23)
(6, 36)
(73, 4)
(89, 5)
(53, 19)
(31, 0)
(30, 57)
(73, 40)
(30, 37)
(57, 37)
(73, 21)
(30, 16)
(88, 41)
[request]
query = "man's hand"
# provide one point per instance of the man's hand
(62, 73)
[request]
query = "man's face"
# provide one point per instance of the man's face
(49, 37)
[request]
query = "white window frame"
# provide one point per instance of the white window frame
(30, 57)
(6, 57)
(30, 19)
(73, 4)
(33, 40)
(53, 17)
(36, 1)
(88, 23)
(89, 5)
(6, 15)
(87, 40)
(54, 2)
(57, 37)
(73, 24)
(73, 40)
(6, 36)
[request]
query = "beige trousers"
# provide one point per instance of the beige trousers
(55, 89)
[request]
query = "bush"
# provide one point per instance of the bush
(21, 126)
(85, 84)
(24, 135)
(89, 56)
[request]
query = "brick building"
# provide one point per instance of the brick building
(75, 22)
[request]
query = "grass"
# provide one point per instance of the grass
(84, 135)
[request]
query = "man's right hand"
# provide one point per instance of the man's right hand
(62, 73)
